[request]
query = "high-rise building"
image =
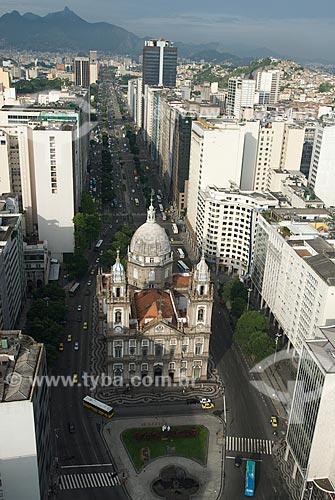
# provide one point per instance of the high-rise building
(82, 72)
(12, 278)
(269, 145)
(310, 423)
(159, 63)
(241, 95)
(225, 226)
(94, 66)
(25, 452)
(322, 169)
(268, 86)
(158, 324)
(293, 271)
(307, 149)
(135, 101)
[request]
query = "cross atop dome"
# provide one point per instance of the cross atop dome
(151, 217)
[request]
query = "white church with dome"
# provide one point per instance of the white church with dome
(157, 323)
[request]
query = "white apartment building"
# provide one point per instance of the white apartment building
(12, 279)
(25, 452)
(37, 264)
(54, 150)
(241, 94)
(215, 159)
(322, 170)
(268, 86)
(269, 145)
(311, 425)
(293, 271)
(225, 226)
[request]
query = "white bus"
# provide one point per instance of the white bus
(74, 289)
(164, 217)
(174, 228)
(182, 266)
(99, 243)
(180, 253)
(98, 406)
(161, 208)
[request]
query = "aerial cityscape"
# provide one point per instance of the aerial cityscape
(167, 251)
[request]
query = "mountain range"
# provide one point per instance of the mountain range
(66, 31)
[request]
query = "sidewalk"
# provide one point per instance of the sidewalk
(138, 484)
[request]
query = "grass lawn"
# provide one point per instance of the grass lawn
(188, 447)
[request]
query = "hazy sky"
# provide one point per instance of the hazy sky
(292, 27)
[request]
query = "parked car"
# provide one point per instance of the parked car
(274, 421)
(238, 461)
(205, 400)
(61, 346)
(207, 406)
(69, 337)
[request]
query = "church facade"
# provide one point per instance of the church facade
(158, 324)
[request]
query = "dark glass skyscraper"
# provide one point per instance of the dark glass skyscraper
(159, 63)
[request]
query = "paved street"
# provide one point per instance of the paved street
(88, 464)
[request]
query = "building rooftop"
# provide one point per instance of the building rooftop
(7, 227)
(20, 359)
(150, 304)
(323, 348)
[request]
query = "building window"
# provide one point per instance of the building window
(173, 341)
(118, 292)
(158, 350)
(198, 349)
(152, 276)
(202, 289)
(172, 366)
(118, 316)
(131, 367)
(201, 314)
(118, 348)
(144, 367)
(132, 347)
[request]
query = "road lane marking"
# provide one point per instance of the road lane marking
(88, 480)
(249, 445)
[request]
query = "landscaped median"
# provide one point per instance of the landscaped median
(144, 444)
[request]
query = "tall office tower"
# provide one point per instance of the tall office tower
(269, 145)
(293, 271)
(181, 157)
(159, 63)
(94, 66)
(241, 95)
(82, 72)
(135, 101)
(25, 451)
(12, 278)
(307, 149)
(322, 170)
(226, 225)
(268, 86)
(215, 159)
(310, 425)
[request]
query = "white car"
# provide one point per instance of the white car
(203, 401)
(76, 346)
(79, 308)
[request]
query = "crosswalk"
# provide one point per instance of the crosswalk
(249, 445)
(88, 480)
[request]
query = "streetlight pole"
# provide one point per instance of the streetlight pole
(248, 303)
(278, 335)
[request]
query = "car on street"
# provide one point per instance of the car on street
(76, 346)
(274, 421)
(85, 325)
(75, 378)
(71, 427)
(61, 346)
(238, 461)
(69, 337)
(92, 271)
(97, 260)
(207, 406)
(79, 307)
(89, 283)
(205, 400)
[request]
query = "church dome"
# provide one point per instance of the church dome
(150, 239)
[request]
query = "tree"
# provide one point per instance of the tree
(238, 307)
(227, 288)
(260, 345)
(87, 204)
(77, 265)
(238, 290)
(248, 323)
(325, 87)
